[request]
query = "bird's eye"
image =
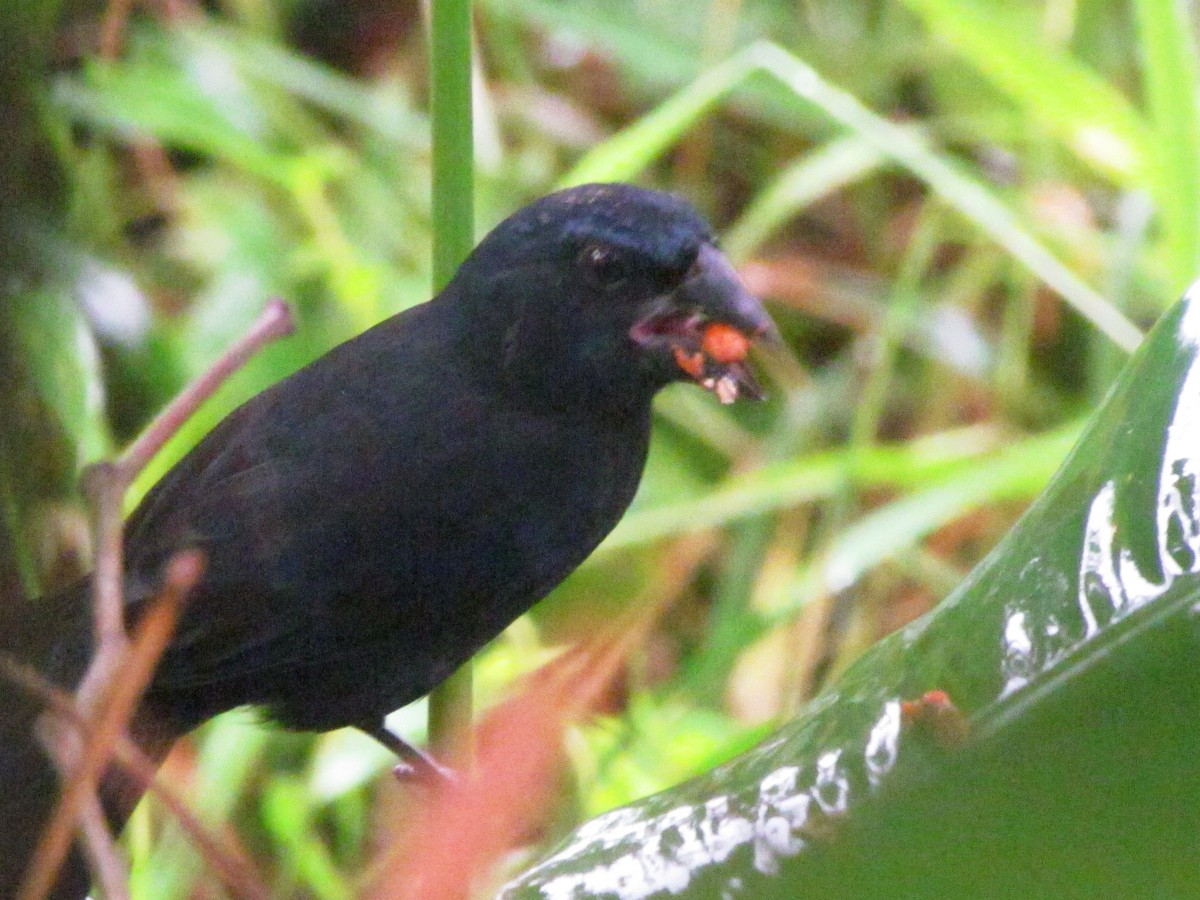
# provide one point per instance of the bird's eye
(602, 262)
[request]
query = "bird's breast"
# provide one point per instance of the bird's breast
(521, 519)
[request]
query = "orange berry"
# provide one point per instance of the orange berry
(724, 343)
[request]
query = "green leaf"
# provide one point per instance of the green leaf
(821, 172)
(51, 408)
(1071, 101)
(151, 96)
(948, 465)
(1070, 654)
(287, 807)
(1172, 81)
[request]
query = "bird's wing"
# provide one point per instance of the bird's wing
(297, 497)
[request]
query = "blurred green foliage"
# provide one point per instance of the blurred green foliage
(951, 206)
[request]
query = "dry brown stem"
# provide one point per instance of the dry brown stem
(120, 670)
(229, 860)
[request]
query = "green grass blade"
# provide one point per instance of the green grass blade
(1172, 86)
(453, 138)
(628, 152)
(1088, 114)
(1017, 472)
(631, 150)
(817, 174)
(915, 465)
(151, 98)
(969, 195)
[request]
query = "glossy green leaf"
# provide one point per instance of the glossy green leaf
(1070, 653)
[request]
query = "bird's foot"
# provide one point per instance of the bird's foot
(415, 766)
(427, 772)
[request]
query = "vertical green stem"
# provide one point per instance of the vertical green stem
(453, 147)
(453, 237)
(898, 318)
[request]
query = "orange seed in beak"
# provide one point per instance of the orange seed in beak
(692, 363)
(724, 343)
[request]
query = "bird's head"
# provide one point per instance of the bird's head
(609, 291)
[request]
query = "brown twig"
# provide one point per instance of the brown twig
(119, 671)
(228, 859)
(274, 322)
(102, 854)
(112, 28)
(106, 484)
(84, 768)
(104, 489)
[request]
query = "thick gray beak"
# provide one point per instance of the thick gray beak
(706, 325)
(713, 287)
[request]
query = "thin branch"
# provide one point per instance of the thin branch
(112, 28)
(102, 853)
(105, 489)
(275, 322)
(120, 670)
(111, 718)
(229, 860)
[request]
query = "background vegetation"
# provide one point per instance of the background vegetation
(955, 209)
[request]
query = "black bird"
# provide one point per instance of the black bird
(371, 521)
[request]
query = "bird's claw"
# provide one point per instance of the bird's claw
(425, 771)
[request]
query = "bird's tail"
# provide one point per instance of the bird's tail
(50, 636)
